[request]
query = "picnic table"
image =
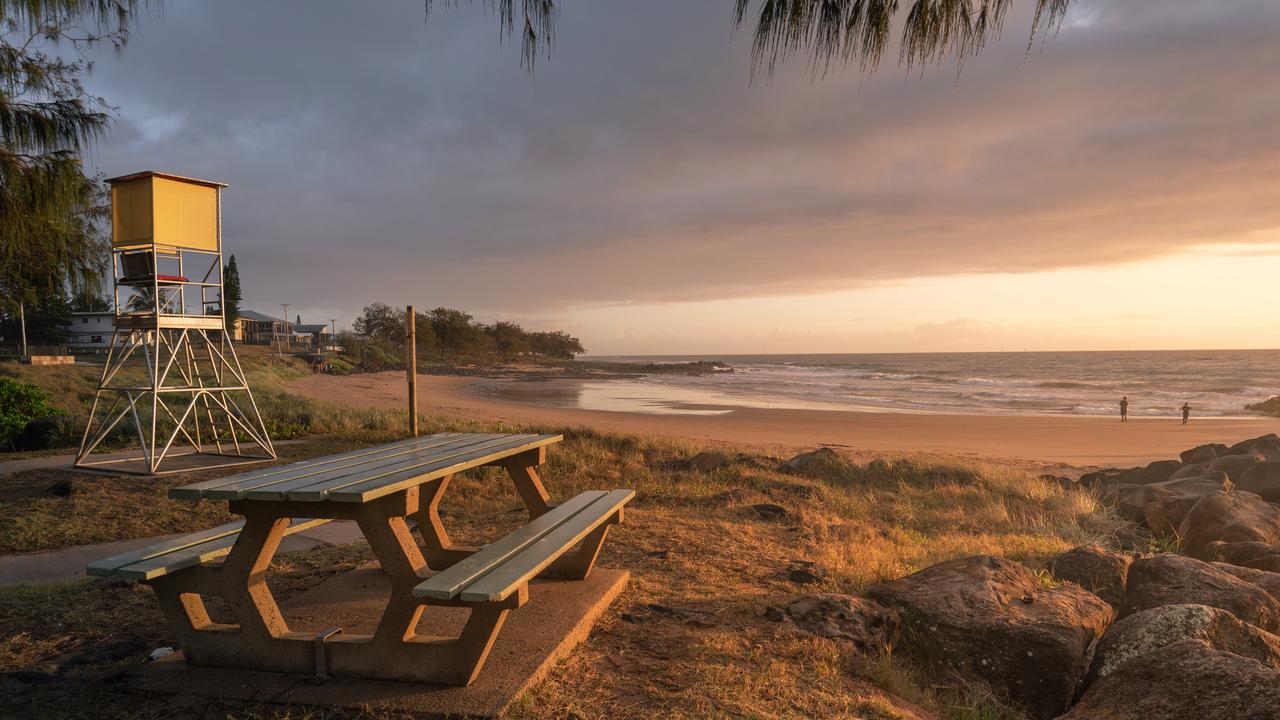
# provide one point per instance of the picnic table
(381, 488)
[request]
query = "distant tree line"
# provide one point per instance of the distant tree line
(449, 335)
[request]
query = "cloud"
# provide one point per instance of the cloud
(374, 154)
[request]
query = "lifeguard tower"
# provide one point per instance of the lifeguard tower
(172, 371)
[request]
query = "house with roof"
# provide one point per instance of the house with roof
(257, 328)
(91, 330)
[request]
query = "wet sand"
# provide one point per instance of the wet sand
(1069, 440)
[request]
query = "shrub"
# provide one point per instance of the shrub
(21, 403)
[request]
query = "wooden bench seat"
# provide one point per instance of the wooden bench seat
(501, 568)
(181, 552)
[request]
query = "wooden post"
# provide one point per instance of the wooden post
(411, 339)
(22, 323)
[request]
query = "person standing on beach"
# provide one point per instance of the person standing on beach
(1186, 412)
(1124, 409)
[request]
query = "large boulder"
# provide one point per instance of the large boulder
(991, 619)
(1152, 629)
(1108, 478)
(1095, 569)
(1270, 563)
(1158, 471)
(1229, 516)
(1185, 680)
(1166, 504)
(1268, 446)
(1263, 479)
(1203, 453)
(1176, 580)
(1265, 579)
(1235, 465)
(1238, 553)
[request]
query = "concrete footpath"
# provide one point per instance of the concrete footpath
(63, 462)
(68, 563)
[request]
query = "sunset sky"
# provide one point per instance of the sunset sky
(1116, 188)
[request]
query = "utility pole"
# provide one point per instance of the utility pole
(22, 322)
(288, 336)
(411, 339)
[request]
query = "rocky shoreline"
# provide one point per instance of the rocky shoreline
(1186, 633)
(578, 370)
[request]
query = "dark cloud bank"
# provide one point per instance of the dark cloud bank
(377, 154)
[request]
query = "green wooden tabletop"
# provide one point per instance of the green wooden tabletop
(369, 473)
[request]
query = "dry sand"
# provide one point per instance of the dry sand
(1068, 440)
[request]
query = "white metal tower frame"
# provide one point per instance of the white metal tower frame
(193, 387)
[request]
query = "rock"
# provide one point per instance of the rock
(991, 619)
(801, 576)
(1190, 471)
(769, 511)
(1263, 479)
(1101, 479)
(707, 460)
(813, 462)
(1270, 563)
(1203, 453)
(1169, 503)
(1268, 446)
(1095, 569)
(1229, 516)
(1235, 465)
(865, 623)
(1158, 471)
(733, 496)
(1130, 500)
(1182, 680)
(1176, 580)
(1166, 504)
(804, 572)
(1150, 630)
(1267, 580)
(1238, 552)
(1109, 478)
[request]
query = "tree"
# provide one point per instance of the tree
(509, 339)
(830, 32)
(299, 319)
(557, 344)
(381, 322)
(231, 292)
(51, 234)
(48, 320)
(457, 333)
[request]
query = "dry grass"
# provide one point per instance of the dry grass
(689, 637)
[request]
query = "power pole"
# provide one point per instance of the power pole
(288, 336)
(411, 339)
(22, 322)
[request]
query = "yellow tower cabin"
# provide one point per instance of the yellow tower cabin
(172, 371)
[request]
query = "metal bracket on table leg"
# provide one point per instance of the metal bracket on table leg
(322, 656)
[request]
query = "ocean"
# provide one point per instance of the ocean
(1216, 383)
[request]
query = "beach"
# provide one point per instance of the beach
(1079, 441)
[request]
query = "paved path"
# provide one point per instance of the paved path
(64, 461)
(69, 563)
